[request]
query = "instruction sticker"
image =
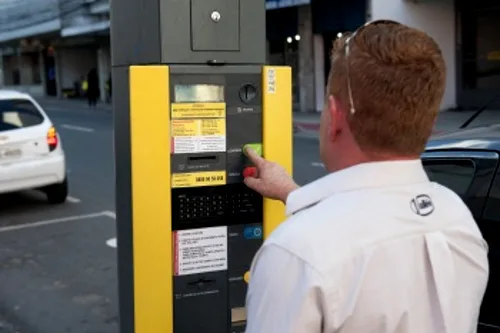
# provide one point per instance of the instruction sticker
(196, 179)
(198, 136)
(271, 80)
(198, 110)
(200, 250)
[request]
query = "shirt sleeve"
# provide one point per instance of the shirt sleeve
(284, 294)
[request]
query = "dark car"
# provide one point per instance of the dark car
(466, 161)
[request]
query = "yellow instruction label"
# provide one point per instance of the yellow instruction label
(188, 127)
(198, 127)
(212, 127)
(197, 179)
(198, 110)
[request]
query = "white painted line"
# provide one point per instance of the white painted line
(111, 243)
(77, 128)
(489, 325)
(73, 199)
(317, 164)
(109, 214)
(53, 221)
(55, 108)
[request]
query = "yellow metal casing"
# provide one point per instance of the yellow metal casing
(277, 133)
(151, 198)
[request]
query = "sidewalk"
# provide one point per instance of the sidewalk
(307, 124)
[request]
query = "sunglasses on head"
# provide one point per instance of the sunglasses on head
(352, 109)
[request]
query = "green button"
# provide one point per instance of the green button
(257, 147)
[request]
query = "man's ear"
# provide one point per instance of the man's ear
(334, 118)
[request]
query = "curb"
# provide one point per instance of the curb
(314, 128)
(307, 126)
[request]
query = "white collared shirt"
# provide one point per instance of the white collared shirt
(375, 248)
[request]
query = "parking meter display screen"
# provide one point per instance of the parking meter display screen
(199, 93)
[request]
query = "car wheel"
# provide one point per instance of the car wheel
(57, 193)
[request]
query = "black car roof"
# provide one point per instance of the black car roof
(475, 138)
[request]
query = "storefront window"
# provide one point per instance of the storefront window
(480, 45)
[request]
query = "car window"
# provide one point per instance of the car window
(18, 113)
(457, 175)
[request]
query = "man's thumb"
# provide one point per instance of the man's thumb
(252, 183)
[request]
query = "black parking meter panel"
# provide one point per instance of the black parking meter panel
(192, 91)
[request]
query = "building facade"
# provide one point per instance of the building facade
(48, 46)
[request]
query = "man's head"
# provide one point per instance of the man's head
(383, 95)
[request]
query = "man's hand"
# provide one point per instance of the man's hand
(271, 180)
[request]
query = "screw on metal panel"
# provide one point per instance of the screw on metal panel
(215, 16)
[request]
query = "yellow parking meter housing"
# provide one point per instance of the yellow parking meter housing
(190, 92)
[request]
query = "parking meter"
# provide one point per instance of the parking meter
(191, 90)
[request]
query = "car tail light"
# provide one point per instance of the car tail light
(52, 139)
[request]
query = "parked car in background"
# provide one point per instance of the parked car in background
(31, 152)
(467, 162)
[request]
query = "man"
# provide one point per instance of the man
(93, 87)
(373, 247)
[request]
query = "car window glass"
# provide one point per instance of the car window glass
(456, 175)
(18, 113)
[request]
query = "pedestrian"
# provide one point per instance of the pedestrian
(92, 87)
(109, 87)
(374, 246)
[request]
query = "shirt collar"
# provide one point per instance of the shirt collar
(365, 175)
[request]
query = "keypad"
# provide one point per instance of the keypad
(190, 207)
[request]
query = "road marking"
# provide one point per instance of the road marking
(109, 214)
(317, 164)
(53, 221)
(55, 108)
(73, 199)
(111, 243)
(489, 325)
(77, 128)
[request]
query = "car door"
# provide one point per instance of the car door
(471, 175)
(491, 232)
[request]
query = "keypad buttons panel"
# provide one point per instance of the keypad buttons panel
(229, 204)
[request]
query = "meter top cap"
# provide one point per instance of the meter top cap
(211, 32)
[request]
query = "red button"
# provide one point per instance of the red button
(249, 172)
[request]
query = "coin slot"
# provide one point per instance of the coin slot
(201, 283)
(247, 93)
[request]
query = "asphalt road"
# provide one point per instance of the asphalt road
(57, 270)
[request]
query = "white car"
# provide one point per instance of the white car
(31, 153)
